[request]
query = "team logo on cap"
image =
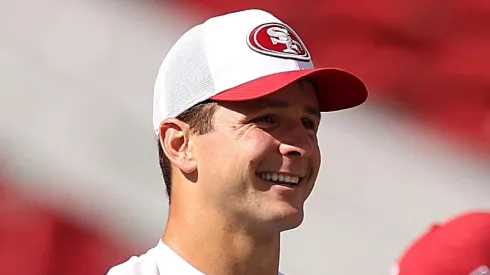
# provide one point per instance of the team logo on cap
(278, 40)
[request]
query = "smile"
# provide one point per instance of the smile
(280, 178)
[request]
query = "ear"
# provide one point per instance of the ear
(174, 138)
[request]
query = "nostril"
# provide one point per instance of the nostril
(294, 154)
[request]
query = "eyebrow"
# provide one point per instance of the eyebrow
(270, 103)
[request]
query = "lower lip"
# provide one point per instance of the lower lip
(280, 186)
(285, 188)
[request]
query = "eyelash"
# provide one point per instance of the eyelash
(307, 123)
(312, 124)
(264, 117)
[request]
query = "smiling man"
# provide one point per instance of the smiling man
(237, 108)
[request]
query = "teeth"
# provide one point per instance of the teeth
(279, 177)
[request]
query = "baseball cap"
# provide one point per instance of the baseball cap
(461, 246)
(241, 56)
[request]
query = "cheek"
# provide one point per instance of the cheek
(257, 145)
(222, 156)
(218, 157)
(318, 156)
(316, 160)
(211, 152)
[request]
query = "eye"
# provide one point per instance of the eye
(265, 120)
(309, 124)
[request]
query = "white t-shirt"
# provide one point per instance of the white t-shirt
(159, 260)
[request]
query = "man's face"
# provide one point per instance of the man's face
(262, 159)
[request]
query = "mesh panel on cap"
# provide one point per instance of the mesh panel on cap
(184, 78)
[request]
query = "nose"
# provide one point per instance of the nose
(297, 143)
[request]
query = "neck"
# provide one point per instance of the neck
(214, 245)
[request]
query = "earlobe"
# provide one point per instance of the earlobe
(174, 138)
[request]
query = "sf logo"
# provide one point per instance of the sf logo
(281, 36)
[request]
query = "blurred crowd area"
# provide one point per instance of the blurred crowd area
(80, 187)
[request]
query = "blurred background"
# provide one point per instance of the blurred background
(80, 186)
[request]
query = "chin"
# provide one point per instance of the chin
(288, 217)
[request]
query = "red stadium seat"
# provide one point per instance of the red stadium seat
(37, 241)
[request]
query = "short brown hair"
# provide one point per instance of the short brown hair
(200, 121)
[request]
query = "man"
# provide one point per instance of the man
(461, 246)
(236, 109)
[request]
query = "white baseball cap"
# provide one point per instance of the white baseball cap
(242, 56)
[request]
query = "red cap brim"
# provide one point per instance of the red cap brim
(336, 89)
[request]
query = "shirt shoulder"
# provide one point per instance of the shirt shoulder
(136, 265)
(159, 260)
